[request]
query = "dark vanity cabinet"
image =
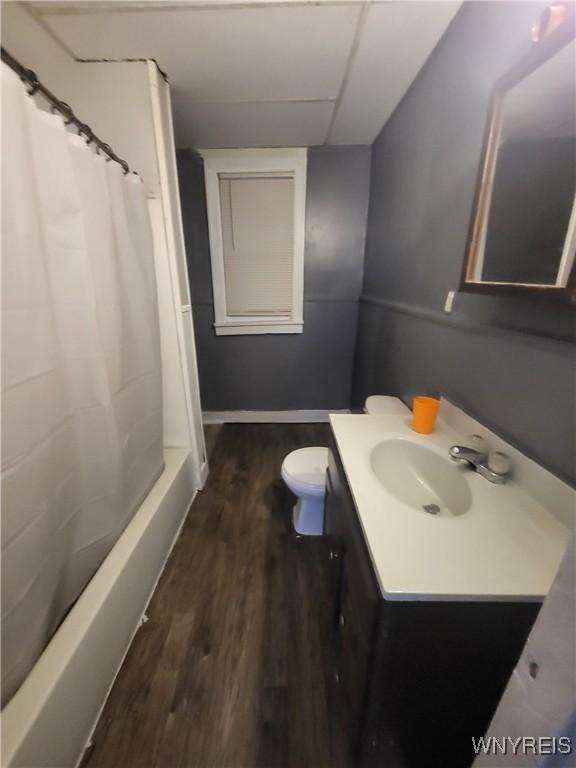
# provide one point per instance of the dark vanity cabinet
(415, 680)
(355, 595)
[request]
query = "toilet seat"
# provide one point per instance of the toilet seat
(304, 471)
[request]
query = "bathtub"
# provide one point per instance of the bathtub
(48, 723)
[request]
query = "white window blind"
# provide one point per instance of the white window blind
(256, 205)
(257, 212)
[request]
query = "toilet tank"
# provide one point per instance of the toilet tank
(384, 405)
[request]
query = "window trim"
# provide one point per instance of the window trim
(217, 161)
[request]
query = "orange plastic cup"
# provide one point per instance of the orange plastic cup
(424, 412)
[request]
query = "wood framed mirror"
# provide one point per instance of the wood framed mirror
(522, 238)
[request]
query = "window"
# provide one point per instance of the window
(256, 202)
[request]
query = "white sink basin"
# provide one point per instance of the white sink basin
(492, 542)
(421, 478)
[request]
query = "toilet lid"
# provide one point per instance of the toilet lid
(385, 405)
(307, 466)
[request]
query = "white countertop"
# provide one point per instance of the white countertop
(506, 547)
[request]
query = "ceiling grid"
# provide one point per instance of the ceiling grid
(254, 74)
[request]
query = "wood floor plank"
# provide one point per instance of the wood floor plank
(230, 670)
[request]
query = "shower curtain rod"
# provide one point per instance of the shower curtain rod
(28, 76)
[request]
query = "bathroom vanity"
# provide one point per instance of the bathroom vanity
(429, 612)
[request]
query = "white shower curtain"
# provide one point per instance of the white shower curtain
(81, 376)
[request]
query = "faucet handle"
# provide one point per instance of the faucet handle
(499, 462)
(477, 443)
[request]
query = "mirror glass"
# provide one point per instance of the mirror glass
(526, 213)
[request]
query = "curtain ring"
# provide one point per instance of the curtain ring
(33, 82)
(66, 111)
(108, 151)
(34, 86)
(89, 135)
(83, 129)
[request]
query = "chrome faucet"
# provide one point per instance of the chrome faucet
(494, 466)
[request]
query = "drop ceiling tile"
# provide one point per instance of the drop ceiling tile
(396, 40)
(270, 124)
(53, 7)
(232, 54)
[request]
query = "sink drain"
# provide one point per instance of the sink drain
(432, 509)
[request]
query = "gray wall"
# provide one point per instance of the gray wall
(507, 361)
(312, 370)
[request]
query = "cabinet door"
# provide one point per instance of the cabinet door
(358, 610)
(334, 541)
(356, 599)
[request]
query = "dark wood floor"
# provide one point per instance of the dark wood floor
(231, 669)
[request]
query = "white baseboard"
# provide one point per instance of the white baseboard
(267, 417)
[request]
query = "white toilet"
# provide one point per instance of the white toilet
(304, 472)
(385, 405)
